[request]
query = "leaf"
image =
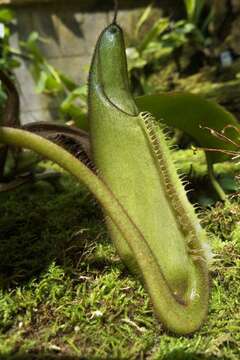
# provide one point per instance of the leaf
(46, 82)
(41, 83)
(81, 121)
(75, 111)
(190, 6)
(6, 15)
(188, 112)
(194, 9)
(158, 28)
(145, 15)
(68, 83)
(135, 61)
(229, 183)
(32, 47)
(76, 114)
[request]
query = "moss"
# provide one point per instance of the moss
(223, 220)
(65, 293)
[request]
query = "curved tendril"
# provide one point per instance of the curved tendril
(116, 6)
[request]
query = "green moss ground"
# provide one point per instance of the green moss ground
(64, 292)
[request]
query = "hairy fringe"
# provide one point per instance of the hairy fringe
(150, 126)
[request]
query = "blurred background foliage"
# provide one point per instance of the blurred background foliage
(165, 53)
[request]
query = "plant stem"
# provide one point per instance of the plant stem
(215, 184)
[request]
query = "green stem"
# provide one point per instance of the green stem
(215, 184)
(178, 316)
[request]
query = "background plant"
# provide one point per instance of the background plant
(70, 97)
(7, 61)
(153, 46)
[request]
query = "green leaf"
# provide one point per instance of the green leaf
(229, 183)
(145, 15)
(41, 84)
(80, 92)
(32, 47)
(194, 9)
(81, 121)
(158, 28)
(6, 15)
(72, 111)
(188, 113)
(68, 83)
(190, 6)
(47, 83)
(135, 61)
